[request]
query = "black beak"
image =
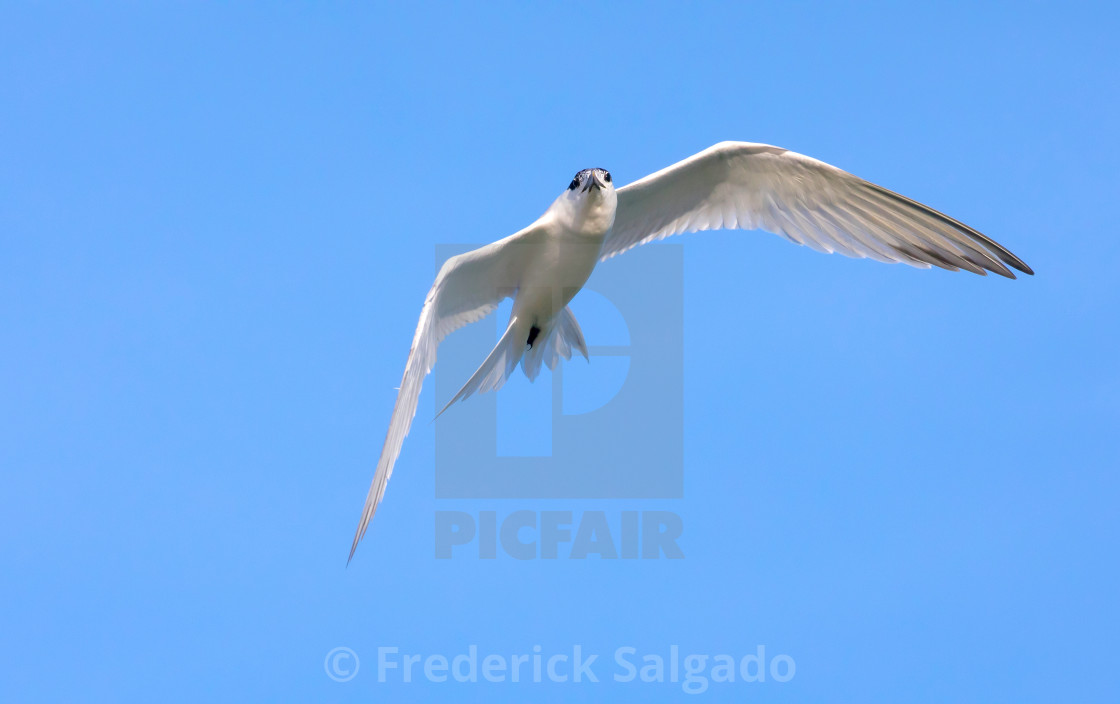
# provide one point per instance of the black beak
(594, 182)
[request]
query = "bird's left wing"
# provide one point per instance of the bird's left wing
(741, 185)
(468, 288)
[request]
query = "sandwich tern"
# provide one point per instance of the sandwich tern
(732, 185)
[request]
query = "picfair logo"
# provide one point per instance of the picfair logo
(608, 429)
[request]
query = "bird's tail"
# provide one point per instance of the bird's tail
(563, 336)
(497, 366)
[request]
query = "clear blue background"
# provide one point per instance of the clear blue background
(217, 227)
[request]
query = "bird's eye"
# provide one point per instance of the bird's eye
(572, 186)
(607, 177)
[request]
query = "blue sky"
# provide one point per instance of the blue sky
(218, 225)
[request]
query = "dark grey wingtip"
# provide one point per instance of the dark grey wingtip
(996, 248)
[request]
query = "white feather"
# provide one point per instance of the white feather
(802, 199)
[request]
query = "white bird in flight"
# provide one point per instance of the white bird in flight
(732, 185)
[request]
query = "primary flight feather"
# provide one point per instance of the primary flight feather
(732, 185)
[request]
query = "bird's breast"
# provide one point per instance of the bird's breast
(598, 217)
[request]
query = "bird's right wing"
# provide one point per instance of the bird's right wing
(741, 185)
(468, 288)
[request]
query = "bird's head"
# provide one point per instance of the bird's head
(590, 183)
(590, 200)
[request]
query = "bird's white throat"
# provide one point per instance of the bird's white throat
(587, 214)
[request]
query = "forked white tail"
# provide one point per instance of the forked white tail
(561, 336)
